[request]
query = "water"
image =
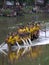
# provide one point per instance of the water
(5, 23)
(8, 24)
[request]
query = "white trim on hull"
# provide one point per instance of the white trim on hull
(41, 41)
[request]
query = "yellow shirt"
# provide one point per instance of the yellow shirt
(36, 28)
(13, 41)
(17, 38)
(20, 30)
(24, 30)
(31, 30)
(27, 29)
(10, 39)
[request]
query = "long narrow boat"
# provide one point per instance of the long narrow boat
(40, 41)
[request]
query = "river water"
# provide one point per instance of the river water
(7, 25)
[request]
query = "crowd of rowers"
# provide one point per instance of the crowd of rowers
(30, 31)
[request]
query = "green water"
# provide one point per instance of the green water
(5, 23)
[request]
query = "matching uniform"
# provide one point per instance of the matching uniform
(24, 33)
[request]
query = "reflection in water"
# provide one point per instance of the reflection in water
(36, 54)
(32, 54)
